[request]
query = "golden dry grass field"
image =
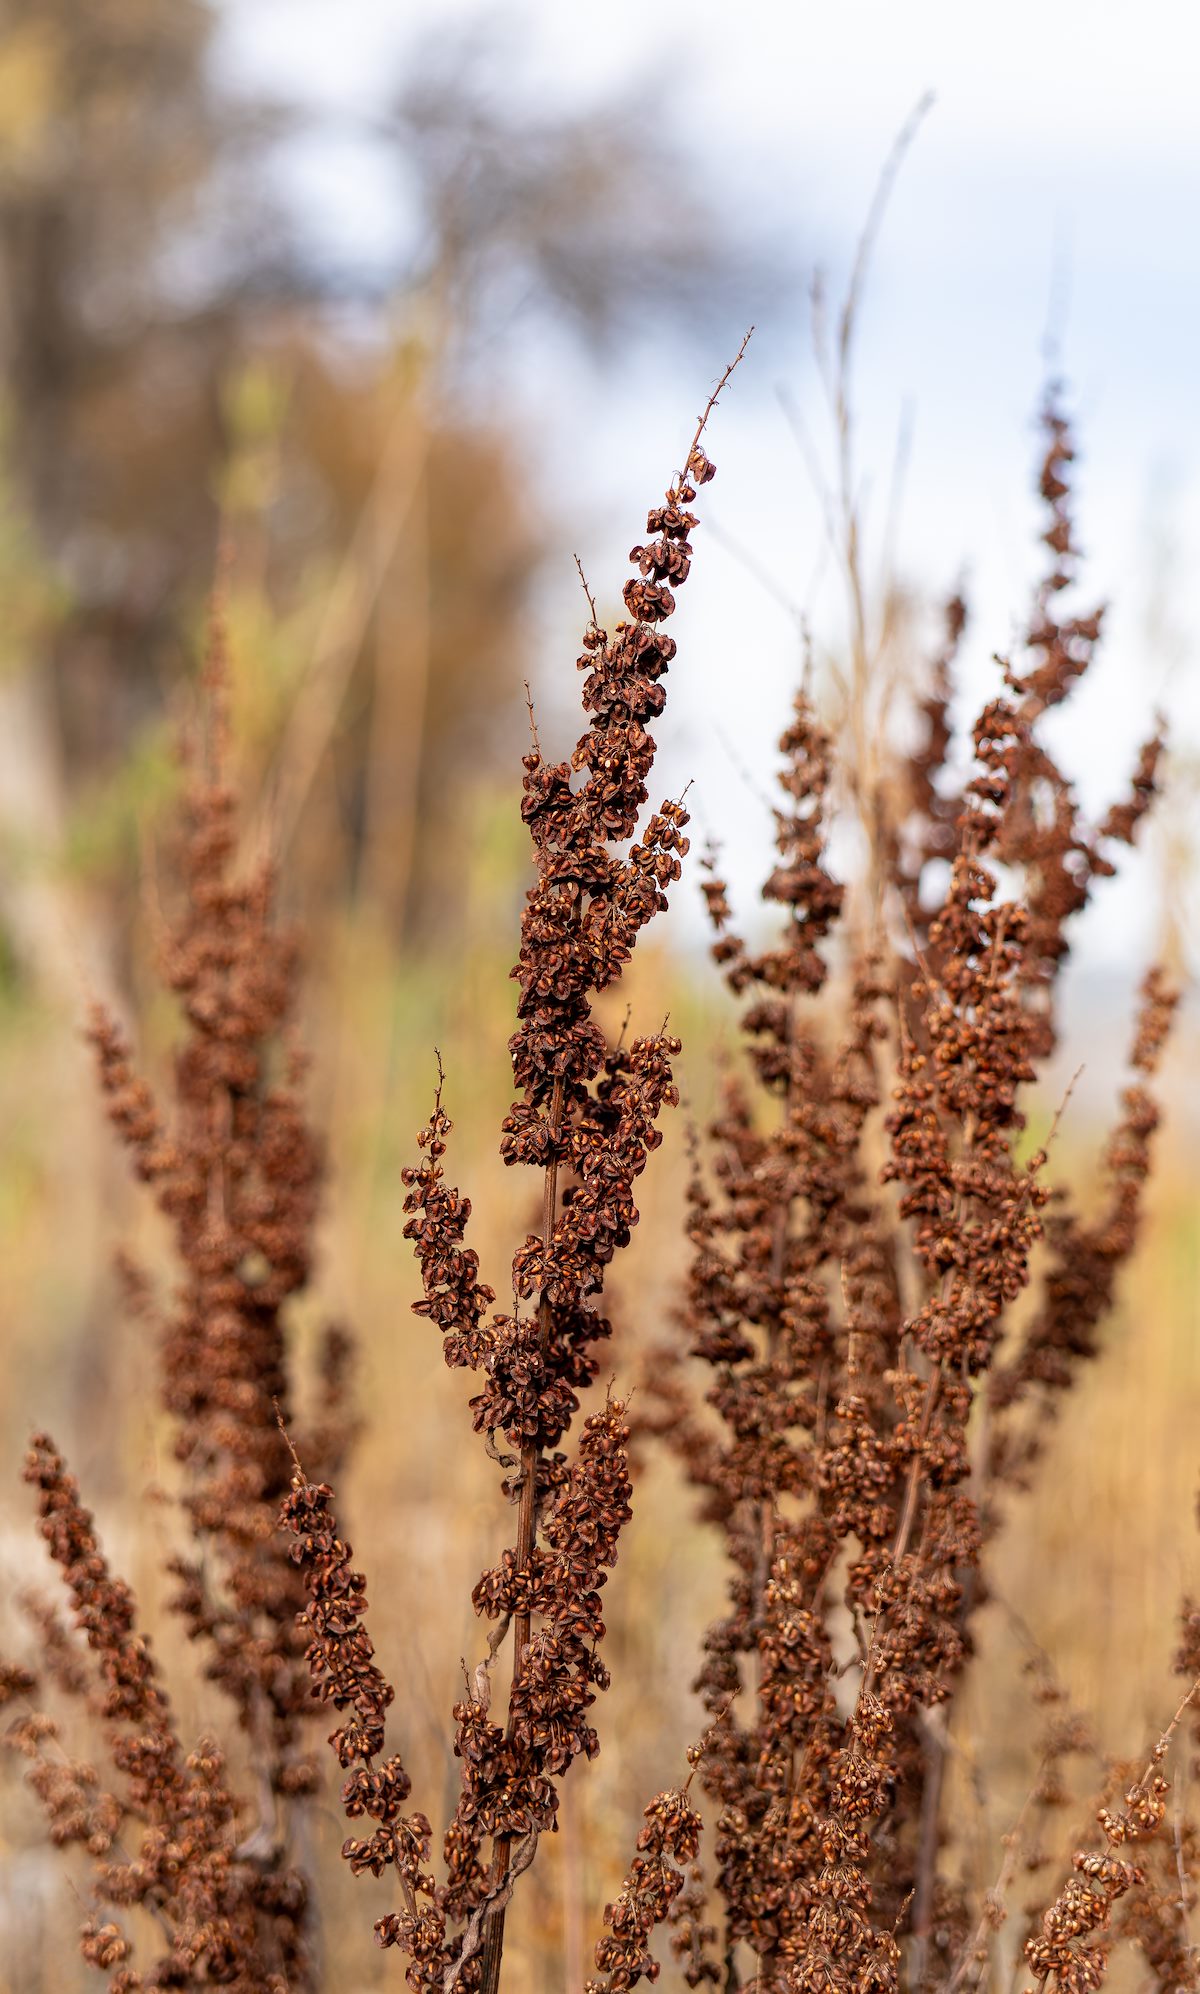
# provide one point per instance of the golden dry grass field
(1093, 1572)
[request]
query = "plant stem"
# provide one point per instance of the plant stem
(493, 1936)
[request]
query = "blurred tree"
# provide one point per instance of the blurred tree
(124, 264)
(144, 273)
(590, 222)
(118, 292)
(595, 217)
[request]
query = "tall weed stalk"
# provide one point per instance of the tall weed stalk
(890, 1292)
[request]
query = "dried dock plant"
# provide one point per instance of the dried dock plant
(864, 1218)
(891, 1291)
(587, 1121)
(236, 1172)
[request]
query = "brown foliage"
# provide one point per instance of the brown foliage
(236, 1172)
(850, 1334)
(587, 1119)
(887, 1300)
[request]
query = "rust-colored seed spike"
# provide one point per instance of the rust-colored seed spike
(341, 1660)
(231, 1162)
(587, 1118)
(1071, 1947)
(1079, 1286)
(224, 1916)
(236, 1171)
(847, 1338)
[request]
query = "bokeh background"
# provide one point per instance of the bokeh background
(408, 304)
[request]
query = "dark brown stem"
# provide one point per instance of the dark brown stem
(908, 1516)
(909, 1513)
(927, 1850)
(493, 1936)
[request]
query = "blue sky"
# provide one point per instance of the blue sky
(1061, 161)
